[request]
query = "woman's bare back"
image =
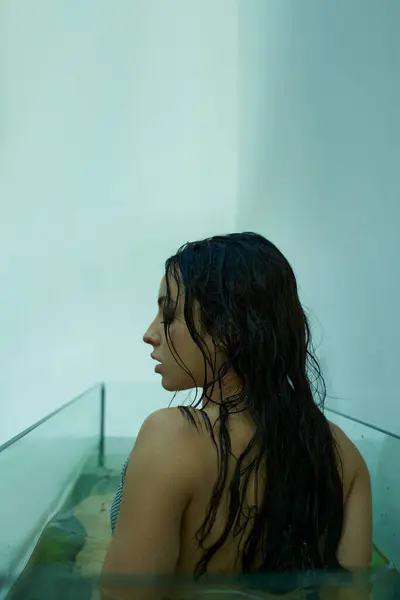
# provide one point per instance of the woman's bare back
(241, 429)
(167, 490)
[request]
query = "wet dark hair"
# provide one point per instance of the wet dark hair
(245, 293)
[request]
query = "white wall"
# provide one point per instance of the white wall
(319, 175)
(117, 145)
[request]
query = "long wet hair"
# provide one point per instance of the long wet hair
(243, 292)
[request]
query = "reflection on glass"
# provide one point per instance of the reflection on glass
(38, 470)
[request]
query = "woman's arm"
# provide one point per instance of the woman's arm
(355, 547)
(157, 490)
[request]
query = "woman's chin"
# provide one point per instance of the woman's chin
(170, 386)
(166, 385)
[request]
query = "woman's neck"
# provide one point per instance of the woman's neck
(229, 386)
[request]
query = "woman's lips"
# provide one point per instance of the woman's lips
(157, 368)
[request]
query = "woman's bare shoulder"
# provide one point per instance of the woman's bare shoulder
(172, 422)
(167, 438)
(351, 458)
(183, 427)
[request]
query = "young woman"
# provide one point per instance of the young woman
(252, 478)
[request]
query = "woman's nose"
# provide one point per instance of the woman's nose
(147, 338)
(151, 337)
